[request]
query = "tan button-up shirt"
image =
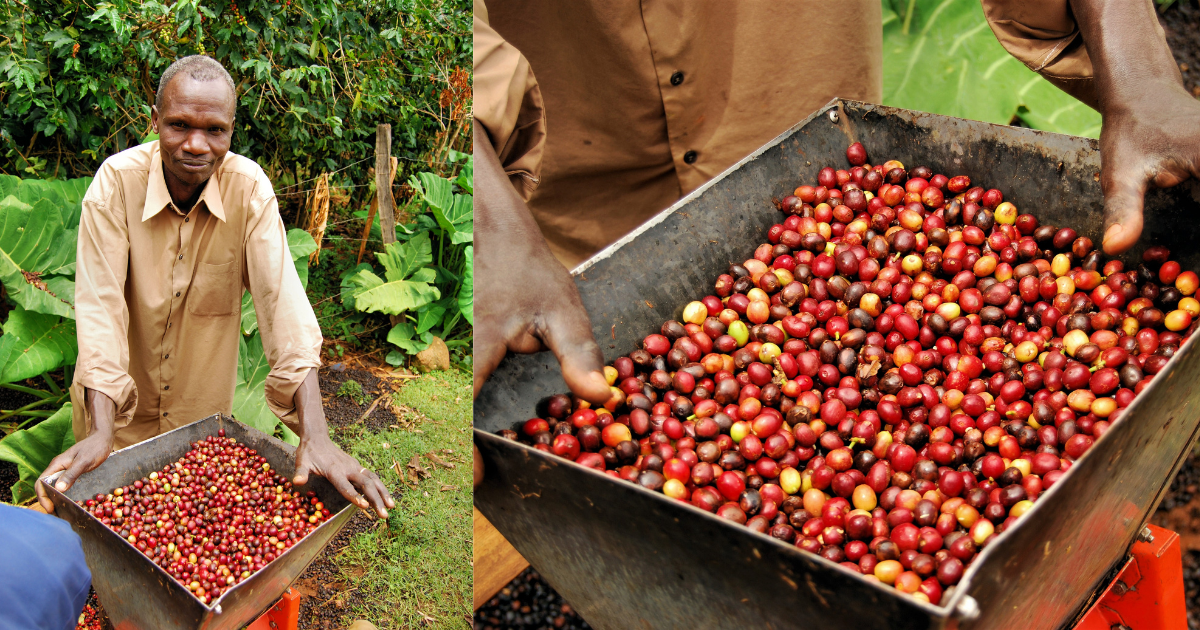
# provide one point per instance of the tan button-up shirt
(158, 294)
(637, 103)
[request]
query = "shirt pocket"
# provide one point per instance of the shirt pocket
(216, 290)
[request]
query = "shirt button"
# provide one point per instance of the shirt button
(690, 157)
(677, 78)
(181, 257)
(166, 387)
(165, 414)
(186, 219)
(166, 356)
(177, 294)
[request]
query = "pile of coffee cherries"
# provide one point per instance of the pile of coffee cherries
(892, 378)
(211, 518)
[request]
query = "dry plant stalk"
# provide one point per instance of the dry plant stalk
(318, 215)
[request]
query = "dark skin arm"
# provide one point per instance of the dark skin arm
(86, 454)
(1151, 132)
(317, 454)
(525, 300)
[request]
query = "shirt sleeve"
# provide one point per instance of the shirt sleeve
(101, 314)
(508, 103)
(1044, 36)
(290, 334)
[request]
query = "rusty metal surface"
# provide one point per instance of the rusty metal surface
(138, 594)
(626, 557)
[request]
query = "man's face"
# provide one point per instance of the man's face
(194, 127)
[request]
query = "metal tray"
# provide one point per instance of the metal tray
(626, 557)
(138, 594)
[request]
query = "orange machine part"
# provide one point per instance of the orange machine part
(285, 614)
(1148, 594)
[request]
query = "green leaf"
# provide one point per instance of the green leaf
(35, 343)
(373, 295)
(249, 317)
(407, 339)
(940, 56)
(249, 396)
(29, 246)
(32, 449)
(429, 316)
(466, 295)
(452, 211)
(401, 260)
(300, 243)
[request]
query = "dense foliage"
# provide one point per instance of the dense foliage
(314, 77)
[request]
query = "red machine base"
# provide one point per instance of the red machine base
(285, 614)
(1148, 594)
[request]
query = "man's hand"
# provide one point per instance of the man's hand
(1151, 132)
(87, 454)
(84, 457)
(320, 456)
(1155, 141)
(525, 300)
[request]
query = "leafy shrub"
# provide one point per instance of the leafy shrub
(314, 77)
(431, 295)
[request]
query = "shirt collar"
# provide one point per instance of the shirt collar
(158, 197)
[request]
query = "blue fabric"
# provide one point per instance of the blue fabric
(44, 580)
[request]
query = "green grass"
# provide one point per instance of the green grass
(418, 567)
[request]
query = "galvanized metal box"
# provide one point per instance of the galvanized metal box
(626, 557)
(138, 594)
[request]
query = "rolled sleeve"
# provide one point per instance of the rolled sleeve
(102, 317)
(1044, 36)
(290, 333)
(508, 103)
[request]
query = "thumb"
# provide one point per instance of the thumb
(568, 334)
(1125, 186)
(302, 470)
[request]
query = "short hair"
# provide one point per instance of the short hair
(199, 68)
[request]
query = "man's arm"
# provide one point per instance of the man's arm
(511, 256)
(103, 390)
(318, 454)
(292, 343)
(87, 454)
(1151, 132)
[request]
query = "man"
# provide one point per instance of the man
(171, 232)
(636, 104)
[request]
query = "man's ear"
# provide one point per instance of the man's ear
(154, 118)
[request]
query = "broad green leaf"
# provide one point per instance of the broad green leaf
(348, 288)
(466, 295)
(32, 449)
(393, 297)
(300, 243)
(249, 317)
(452, 211)
(940, 56)
(28, 242)
(403, 336)
(429, 316)
(249, 397)
(35, 343)
(401, 260)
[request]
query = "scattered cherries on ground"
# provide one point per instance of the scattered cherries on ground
(891, 380)
(211, 518)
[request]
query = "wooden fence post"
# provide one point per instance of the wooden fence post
(362, 247)
(383, 184)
